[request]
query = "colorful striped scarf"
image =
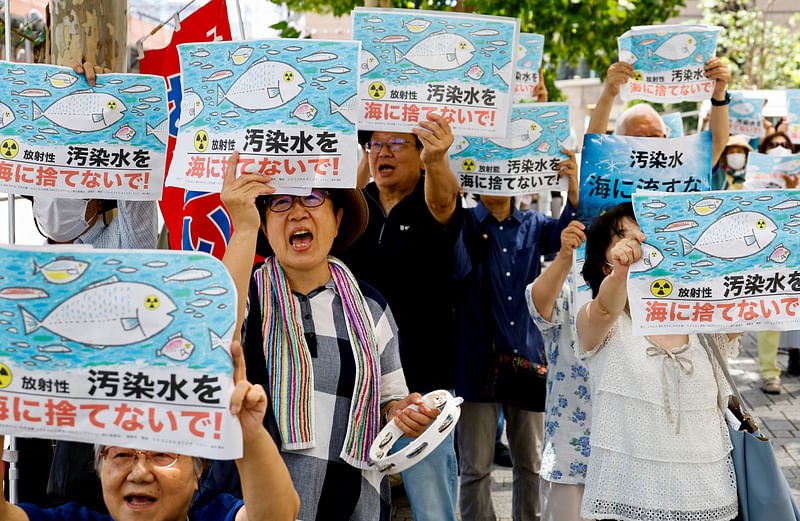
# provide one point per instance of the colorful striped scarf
(290, 369)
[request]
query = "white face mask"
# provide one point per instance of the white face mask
(779, 151)
(62, 220)
(737, 160)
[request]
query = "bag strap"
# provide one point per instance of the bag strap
(736, 404)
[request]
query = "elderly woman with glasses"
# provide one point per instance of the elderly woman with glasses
(148, 485)
(323, 344)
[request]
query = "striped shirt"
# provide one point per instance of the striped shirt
(135, 227)
(329, 488)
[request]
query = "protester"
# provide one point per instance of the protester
(498, 254)
(643, 123)
(659, 441)
(406, 253)
(156, 485)
(307, 317)
(733, 162)
(568, 410)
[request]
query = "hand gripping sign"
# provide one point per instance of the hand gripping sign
(418, 449)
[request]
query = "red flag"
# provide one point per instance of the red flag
(195, 220)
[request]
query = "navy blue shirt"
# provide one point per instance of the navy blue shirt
(507, 256)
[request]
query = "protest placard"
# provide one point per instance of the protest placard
(744, 115)
(767, 171)
(529, 59)
(118, 347)
(413, 62)
(287, 106)
(613, 168)
(61, 137)
(674, 123)
(524, 163)
(668, 62)
(793, 114)
(716, 262)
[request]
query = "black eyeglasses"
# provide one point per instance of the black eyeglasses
(281, 203)
(394, 145)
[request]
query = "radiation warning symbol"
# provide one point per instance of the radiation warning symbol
(376, 90)
(468, 165)
(637, 76)
(201, 141)
(5, 376)
(151, 302)
(761, 224)
(9, 148)
(661, 288)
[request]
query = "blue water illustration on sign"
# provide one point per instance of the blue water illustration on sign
(529, 59)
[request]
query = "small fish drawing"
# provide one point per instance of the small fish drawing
(32, 93)
(195, 63)
(705, 206)
(293, 48)
(735, 235)
(54, 348)
(484, 32)
(240, 55)
(699, 58)
(141, 106)
(187, 275)
(124, 133)
(677, 226)
(160, 131)
(230, 114)
(155, 264)
(211, 290)
(42, 358)
(701, 264)
(744, 108)
(207, 66)
(305, 111)
(200, 302)
(764, 198)
(649, 41)
(200, 53)
(336, 70)
(6, 115)
(417, 25)
(218, 343)
(60, 80)
(779, 254)
(21, 345)
(785, 205)
(318, 57)
(135, 89)
(347, 108)
(219, 75)
(499, 43)
(374, 20)
(474, 72)
(127, 269)
(693, 272)
(651, 257)
(627, 56)
(661, 217)
(22, 293)
(62, 270)
(367, 61)
(177, 348)
(676, 48)
(392, 38)
(191, 106)
(324, 79)
(16, 71)
(49, 131)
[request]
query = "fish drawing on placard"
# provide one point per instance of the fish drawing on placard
(735, 235)
(6, 115)
(21, 293)
(107, 313)
(627, 56)
(393, 38)
(484, 32)
(177, 348)
(336, 70)
(32, 93)
(438, 52)
(160, 131)
(786, 205)
(218, 343)
(60, 80)
(240, 55)
(200, 53)
(318, 56)
(191, 106)
(124, 132)
(779, 254)
(61, 270)
(677, 47)
(367, 61)
(651, 257)
(705, 206)
(346, 109)
(83, 111)
(214, 290)
(677, 226)
(219, 75)
(459, 145)
(417, 25)
(305, 111)
(135, 89)
(742, 109)
(187, 275)
(474, 72)
(504, 72)
(265, 85)
(524, 132)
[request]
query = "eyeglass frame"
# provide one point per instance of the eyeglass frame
(394, 147)
(775, 144)
(302, 198)
(145, 453)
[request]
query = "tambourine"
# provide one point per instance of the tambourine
(418, 449)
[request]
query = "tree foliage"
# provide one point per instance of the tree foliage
(760, 53)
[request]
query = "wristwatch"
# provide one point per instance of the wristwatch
(726, 101)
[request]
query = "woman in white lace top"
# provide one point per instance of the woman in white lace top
(659, 446)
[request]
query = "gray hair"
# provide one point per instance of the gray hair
(640, 109)
(198, 463)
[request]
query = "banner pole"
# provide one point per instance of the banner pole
(241, 20)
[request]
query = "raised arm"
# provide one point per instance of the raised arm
(596, 318)
(618, 74)
(363, 171)
(239, 197)
(441, 185)
(547, 286)
(267, 488)
(9, 512)
(716, 69)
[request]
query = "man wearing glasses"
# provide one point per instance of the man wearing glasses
(406, 253)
